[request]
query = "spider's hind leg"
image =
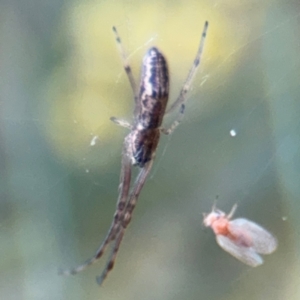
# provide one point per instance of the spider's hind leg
(175, 123)
(187, 84)
(126, 65)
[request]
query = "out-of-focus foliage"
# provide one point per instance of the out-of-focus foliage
(61, 78)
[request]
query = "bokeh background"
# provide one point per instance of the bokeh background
(61, 79)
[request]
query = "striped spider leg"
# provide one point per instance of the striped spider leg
(140, 144)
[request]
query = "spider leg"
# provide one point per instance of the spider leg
(138, 185)
(124, 187)
(122, 123)
(126, 65)
(176, 122)
(186, 86)
(113, 256)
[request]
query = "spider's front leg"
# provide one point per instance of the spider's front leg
(124, 187)
(138, 185)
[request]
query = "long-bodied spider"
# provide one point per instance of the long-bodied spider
(141, 143)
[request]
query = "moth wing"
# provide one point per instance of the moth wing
(262, 241)
(246, 255)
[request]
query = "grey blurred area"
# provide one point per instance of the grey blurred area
(61, 78)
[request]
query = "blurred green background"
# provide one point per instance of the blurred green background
(61, 79)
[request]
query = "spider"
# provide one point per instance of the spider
(140, 144)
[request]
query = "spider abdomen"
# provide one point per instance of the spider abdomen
(154, 90)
